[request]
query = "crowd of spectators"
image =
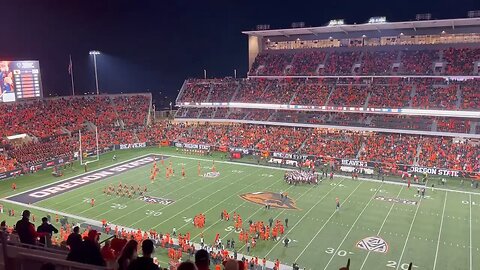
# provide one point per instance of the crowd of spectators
(443, 152)
(460, 60)
(52, 126)
(454, 125)
(312, 93)
(195, 91)
(7, 163)
(422, 93)
(429, 96)
(332, 143)
(32, 153)
(251, 90)
(348, 95)
(373, 61)
(390, 148)
(271, 63)
(470, 94)
(307, 63)
(378, 62)
(418, 61)
(341, 63)
(394, 95)
(279, 92)
(381, 147)
(408, 122)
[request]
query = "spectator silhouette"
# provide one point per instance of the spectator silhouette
(188, 265)
(26, 230)
(108, 254)
(74, 241)
(146, 261)
(129, 253)
(47, 229)
(202, 260)
(91, 249)
(117, 245)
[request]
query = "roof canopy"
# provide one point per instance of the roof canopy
(346, 28)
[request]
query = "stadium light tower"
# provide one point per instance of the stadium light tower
(95, 53)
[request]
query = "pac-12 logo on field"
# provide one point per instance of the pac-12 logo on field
(211, 174)
(373, 243)
(275, 200)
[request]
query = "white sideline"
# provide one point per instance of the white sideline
(99, 224)
(440, 231)
(359, 178)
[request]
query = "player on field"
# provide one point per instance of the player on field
(92, 202)
(213, 165)
(14, 186)
(183, 172)
(337, 202)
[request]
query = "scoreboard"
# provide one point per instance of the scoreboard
(20, 80)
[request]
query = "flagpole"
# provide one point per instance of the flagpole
(71, 75)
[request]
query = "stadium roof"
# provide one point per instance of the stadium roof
(346, 28)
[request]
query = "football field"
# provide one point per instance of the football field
(379, 225)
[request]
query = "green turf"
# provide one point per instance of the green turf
(323, 238)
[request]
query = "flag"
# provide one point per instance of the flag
(70, 66)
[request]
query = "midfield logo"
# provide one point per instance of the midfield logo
(275, 200)
(373, 243)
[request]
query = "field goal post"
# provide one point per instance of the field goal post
(88, 156)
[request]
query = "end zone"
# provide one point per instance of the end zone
(50, 190)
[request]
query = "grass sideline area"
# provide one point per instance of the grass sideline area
(440, 231)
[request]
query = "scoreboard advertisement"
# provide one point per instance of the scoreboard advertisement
(19, 80)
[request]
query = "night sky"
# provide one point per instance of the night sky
(155, 44)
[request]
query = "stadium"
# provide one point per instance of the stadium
(347, 146)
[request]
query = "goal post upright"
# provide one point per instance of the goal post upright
(80, 153)
(96, 141)
(95, 153)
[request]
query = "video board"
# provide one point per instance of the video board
(20, 80)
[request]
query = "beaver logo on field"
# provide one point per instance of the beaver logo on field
(373, 243)
(275, 200)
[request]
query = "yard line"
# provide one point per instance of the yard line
(351, 227)
(381, 227)
(440, 231)
(298, 222)
(471, 263)
(234, 182)
(408, 234)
